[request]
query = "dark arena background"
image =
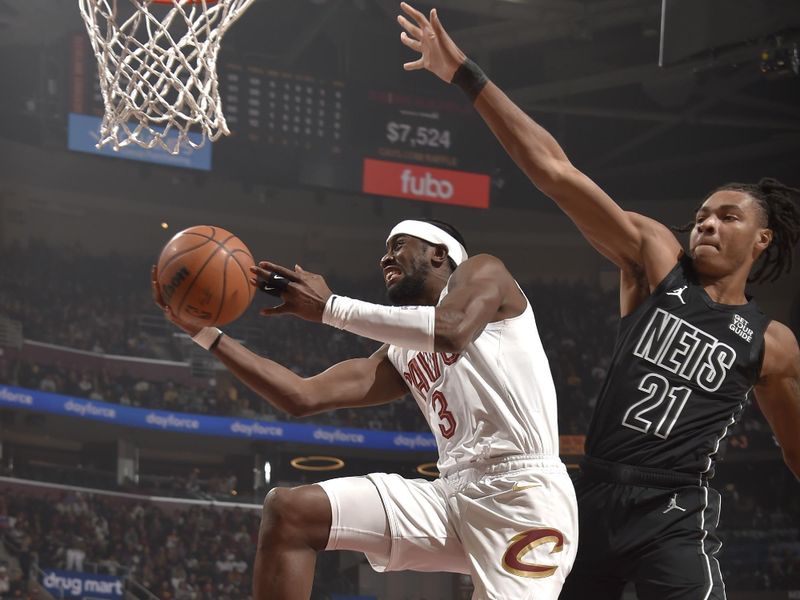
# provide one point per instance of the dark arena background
(133, 465)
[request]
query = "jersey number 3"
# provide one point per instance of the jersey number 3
(662, 405)
(447, 423)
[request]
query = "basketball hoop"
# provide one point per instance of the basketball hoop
(157, 62)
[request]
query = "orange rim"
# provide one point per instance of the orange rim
(186, 1)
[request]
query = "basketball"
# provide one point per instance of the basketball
(203, 273)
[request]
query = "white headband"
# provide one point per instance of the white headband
(432, 234)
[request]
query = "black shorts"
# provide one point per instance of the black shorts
(633, 529)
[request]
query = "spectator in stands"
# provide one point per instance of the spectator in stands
(5, 582)
(75, 554)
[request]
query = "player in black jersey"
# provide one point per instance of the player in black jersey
(692, 346)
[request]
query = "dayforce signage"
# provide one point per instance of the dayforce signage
(417, 182)
(71, 584)
(13, 397)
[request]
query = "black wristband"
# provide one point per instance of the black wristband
(215, 343)
(470, 78)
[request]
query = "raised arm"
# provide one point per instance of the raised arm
(778, 391)
(481, 290)
(348, 384)
(605, 225)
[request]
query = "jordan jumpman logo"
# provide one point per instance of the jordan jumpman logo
(679, 293)
(673, 505)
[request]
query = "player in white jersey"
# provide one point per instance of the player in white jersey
(462, 337)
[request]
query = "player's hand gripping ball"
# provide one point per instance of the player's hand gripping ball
(203, 274)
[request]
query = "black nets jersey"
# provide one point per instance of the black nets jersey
(682, 370)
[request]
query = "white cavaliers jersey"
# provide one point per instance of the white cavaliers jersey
(495, 399)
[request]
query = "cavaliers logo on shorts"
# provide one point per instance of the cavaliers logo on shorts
(523, 543)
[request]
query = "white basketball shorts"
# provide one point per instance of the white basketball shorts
(511, 524)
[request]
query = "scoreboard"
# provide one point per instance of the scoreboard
(421, 148)
(294, 128)
(412, 127)
(283, 109)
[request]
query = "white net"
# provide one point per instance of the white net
(157, 63)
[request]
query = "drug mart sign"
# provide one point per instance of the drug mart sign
(71, 584)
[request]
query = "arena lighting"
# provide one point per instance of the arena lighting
(428, 469)
(164, 225)
(781, 61)
(267, 472)
(329, 463)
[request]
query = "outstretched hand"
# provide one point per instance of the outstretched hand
(159, 300)
(439, 53)
(305, 294)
